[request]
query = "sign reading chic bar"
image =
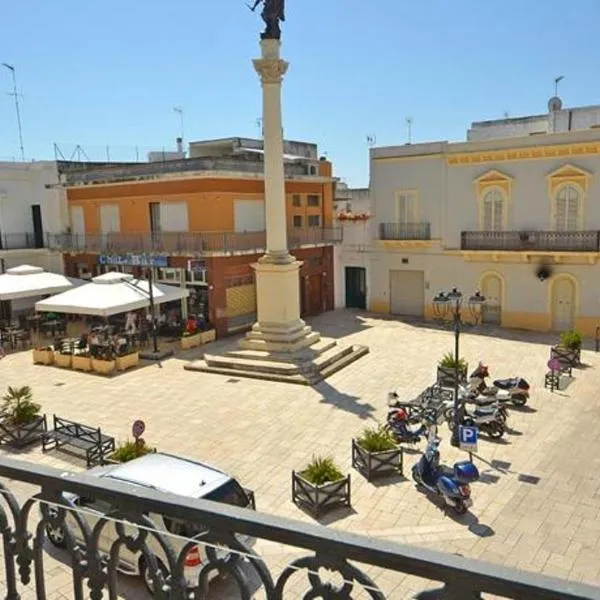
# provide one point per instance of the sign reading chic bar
(133, 260)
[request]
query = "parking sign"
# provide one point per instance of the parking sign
(467, 437)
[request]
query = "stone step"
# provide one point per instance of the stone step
(279, 337)
(310, 353)
(263, 345)
(250, 364)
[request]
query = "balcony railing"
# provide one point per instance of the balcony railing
(404, 231)
(20, 241)
(186, 243)
(545, 241)
(132, 521)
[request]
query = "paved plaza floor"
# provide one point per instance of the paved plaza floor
(536, 508)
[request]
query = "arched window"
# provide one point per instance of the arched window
(567, 208)
(493, 210)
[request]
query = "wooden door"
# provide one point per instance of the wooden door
(491, 289)
(563, 304)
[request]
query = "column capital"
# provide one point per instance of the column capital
(271, 70)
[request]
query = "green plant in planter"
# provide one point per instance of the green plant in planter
(131, 450)
(376, 439)
(571, 339)
(19, 405)
(321, 470)
(448, 362)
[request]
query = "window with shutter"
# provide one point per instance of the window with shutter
(567, 208)
(493, 211)
(406, 207)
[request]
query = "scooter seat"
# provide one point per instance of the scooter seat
(485, 411)
(506, 384)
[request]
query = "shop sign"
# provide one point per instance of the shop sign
(133, 260)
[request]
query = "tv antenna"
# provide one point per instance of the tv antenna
(371, 139)
(557, 80)
(259, 124)
(179, 111)
(15, 94)
(409, 122)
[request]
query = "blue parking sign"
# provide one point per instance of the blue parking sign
(467, 438)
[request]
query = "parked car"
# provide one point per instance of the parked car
(166, 473)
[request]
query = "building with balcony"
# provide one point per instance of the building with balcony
(202, 219)
(28, 210)
(487, 214)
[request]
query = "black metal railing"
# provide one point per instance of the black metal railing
(20, 241)
(549, 241)
(187, 243)
(404, 231)
(131, 521)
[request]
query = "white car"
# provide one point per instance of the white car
(165, 473)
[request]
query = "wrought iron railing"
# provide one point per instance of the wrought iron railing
(404, 231)
(229, 535)
(557, 241)
(200, 243)
(20, 241)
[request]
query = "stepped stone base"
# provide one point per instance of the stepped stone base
(306, 366)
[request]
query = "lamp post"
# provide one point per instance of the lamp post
(450, 303)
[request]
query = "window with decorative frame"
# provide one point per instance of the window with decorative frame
(567, 209)
(493, 210)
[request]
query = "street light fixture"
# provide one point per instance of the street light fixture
(449, 303)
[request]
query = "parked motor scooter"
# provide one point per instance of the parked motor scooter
(488, 419)
(398, 425)
(514, 389)
(452, 484)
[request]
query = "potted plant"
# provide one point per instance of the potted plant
(190, 339)
(82, 362)
(446, 370)
(320, 486)
(129, 450)
(43, 355)
(20, 419)
(104, 362)
(375, 453)
(569, 349)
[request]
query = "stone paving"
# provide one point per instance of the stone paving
(536, 508)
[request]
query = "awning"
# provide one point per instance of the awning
(111, 294)
(27, 281)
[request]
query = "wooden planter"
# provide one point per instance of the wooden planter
(447, 375)
(104, 367)
(81, 363)
(208, 336)
(317, 499)
(43, 357)
(62, 360)
(376, 464)
(191, 341)
(19, 436)
(128, 361)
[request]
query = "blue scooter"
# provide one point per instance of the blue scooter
(451, 484)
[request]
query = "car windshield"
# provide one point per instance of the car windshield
(229, 493)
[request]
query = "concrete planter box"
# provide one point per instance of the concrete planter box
(447, 375)
(208, 336)
(43, 357)
(376, 464)
(317, 499)
(191, 341)
(19, 436)
(128, 361)
(81, 363)
(104, 367)
(62, 360)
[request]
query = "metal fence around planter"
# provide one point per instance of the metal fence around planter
(377, 464)
(19, 436)
(317, 499)
(345, 554)
(446, 376)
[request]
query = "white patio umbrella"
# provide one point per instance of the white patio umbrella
(28, 282)
(110, 294)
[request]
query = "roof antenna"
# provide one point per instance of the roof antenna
(557, 80)
(371, 139)
(409, 122)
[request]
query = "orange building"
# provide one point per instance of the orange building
(202, 221)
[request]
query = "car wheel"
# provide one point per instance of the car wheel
(146, 575)
(56, 535)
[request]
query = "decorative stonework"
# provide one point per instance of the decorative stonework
(568, 174)
(270, 70)
(493, 178)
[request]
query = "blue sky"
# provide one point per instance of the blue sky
(110, 73)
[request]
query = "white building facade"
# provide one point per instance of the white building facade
(515, 216)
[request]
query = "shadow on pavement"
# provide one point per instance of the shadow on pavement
(347, 402)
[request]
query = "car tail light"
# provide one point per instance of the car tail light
(192, 558)
(465, 490)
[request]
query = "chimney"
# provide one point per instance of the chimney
(179, 142)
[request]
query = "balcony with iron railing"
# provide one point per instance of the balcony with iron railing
(404, 231)
(526, 240)
(192, 243)
(20, 241)
(300, 555)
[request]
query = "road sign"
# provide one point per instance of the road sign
(467, 438)
(554, 364)
(138, 428)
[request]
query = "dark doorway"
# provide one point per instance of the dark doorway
(38, 228)
(356, 287)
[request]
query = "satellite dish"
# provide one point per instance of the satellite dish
(543, 271)
(554, 104)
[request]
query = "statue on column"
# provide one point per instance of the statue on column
(273, 13)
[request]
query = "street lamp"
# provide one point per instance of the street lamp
(449, 303)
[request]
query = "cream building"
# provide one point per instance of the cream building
(486, 214)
